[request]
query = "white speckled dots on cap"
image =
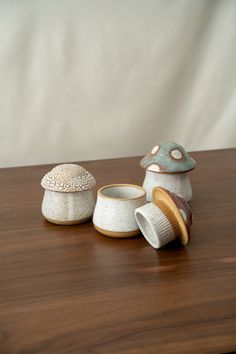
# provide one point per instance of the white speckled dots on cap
(155, 149)
(170, 158)
(68, 178)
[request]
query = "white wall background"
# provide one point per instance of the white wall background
(92, 79)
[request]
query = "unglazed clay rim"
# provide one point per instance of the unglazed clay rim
(185, 236)
(122, 185)
(117, 234)
(68, 222)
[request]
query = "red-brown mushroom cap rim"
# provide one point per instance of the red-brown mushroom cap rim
(161, 194)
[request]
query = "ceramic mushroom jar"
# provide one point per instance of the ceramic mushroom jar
(167, 218)
(167, 165)
(68, 197)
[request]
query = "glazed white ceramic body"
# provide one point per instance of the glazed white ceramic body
(177, 183)
(115, 208)
(70, 207)
(154, 225)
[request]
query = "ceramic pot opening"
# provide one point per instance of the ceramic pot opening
(122, 192)
(147, 229)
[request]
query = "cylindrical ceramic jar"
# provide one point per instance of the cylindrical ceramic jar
(167, 166)
(68, 198)
(114, 213)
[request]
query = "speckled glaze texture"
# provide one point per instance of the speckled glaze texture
(68, 198)
(116, 212)
(168, 157)
(155, 226)
(167, 218)
(68, 178)
(67, 208)
(166, 166)
(177, 183)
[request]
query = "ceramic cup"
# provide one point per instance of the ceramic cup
(114, 213)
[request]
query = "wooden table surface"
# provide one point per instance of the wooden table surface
(68, 289)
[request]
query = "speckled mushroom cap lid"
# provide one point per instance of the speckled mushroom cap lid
(68, 178)
(168, 157)
(171, 203)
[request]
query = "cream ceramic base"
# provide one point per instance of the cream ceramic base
(115, 234)
(67, 208)
(177, 183)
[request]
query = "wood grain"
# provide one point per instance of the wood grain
(68, 289)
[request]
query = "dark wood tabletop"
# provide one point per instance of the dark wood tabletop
(69, 289)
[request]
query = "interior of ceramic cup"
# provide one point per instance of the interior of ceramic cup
(122, 192)
(147, 229)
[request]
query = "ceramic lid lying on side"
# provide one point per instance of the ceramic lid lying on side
(68, 178)
(168, 157)
(179, 207)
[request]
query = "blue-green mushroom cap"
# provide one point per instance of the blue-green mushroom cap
(168, 157)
